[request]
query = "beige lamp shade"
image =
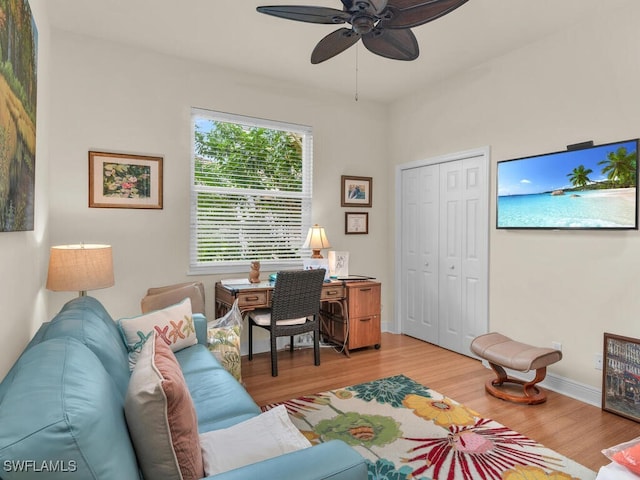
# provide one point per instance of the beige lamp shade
(316, 240)
(80, 268)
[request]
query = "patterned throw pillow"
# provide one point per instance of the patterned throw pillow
(174, 325)
(224, 343)
(161, 416)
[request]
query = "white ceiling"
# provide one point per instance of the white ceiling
(231, 34)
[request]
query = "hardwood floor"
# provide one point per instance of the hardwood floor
(570, 427)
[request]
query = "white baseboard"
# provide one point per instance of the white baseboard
(565, 386)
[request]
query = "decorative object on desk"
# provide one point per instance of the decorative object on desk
(356, 191)
(620, 376)
(356, 223)
(80, 268)
(316, 240)
(407, 430)
(125, 181)
(254, 274)
(338, 264)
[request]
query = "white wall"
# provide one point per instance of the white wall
(24, 255)
(578, 85)
(111, 97)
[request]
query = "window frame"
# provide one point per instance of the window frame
(236, 266)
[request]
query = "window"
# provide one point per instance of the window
(250, 192)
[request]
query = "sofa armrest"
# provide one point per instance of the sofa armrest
(200, 323)
(333, 460)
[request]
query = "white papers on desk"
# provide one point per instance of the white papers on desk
(230, 282)
(316, 264)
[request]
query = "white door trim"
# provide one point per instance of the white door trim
(485, 152)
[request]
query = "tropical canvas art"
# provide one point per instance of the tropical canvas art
(18, 85)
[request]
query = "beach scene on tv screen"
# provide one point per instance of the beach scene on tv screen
(589, 188)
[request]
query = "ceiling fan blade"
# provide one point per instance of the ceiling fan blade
(358, 5)
(348, 4)
(378, 5)
(333, 44)
(304, 13)
(419, 14)
(394, 44)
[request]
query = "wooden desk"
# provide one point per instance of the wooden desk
(334, 317)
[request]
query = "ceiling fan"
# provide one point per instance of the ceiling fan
(383, 25)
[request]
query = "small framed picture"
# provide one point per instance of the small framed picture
(356, 223)
(356, 191)
(338, 264)
(621, 376)
(119, 180)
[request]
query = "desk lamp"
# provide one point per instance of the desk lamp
(316, 241)
(80, 268)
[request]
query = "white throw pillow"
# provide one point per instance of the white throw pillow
(268, 435)
(173, 324)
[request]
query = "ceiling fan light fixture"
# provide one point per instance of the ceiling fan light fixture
(363, 24)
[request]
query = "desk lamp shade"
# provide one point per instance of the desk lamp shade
(316, 241)
(80, 268)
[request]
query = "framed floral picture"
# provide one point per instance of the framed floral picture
(118, 180)
(356, 191)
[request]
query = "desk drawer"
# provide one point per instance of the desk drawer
(332, 292)
(253, 299)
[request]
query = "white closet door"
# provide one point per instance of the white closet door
(420, 198)
(450, 233)
(475, 252)
(444, 251)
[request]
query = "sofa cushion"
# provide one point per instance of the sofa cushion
(267, 435)
(62, 411)
(174, 325)
(219, 399)
(85, 319)
(161, 416)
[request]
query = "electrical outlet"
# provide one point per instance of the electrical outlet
(597, 361)
(556, 345)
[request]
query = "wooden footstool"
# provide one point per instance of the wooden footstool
(501, 352)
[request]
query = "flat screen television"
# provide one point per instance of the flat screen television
(590, 188)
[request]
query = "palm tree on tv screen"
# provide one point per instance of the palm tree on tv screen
(579, 177)
(620, 167)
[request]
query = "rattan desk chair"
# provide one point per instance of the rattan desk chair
(294, 310)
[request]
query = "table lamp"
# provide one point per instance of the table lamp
(316, 241)
(80, 268)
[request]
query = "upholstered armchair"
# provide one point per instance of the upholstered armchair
(161, 297)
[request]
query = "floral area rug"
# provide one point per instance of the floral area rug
(406, 430)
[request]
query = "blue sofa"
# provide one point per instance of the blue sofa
(62, 416)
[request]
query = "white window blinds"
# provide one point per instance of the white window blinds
(251, 192)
